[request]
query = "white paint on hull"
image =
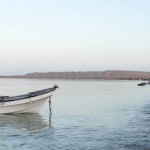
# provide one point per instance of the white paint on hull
(29, 105)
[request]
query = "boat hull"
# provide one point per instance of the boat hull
(28, 105)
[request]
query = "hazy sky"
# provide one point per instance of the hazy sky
(74, 35)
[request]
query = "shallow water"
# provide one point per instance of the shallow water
(86, 114)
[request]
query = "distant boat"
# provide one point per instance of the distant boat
(142, 84)
(148, 82)
(28, 103)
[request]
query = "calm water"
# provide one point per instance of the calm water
(87, 115)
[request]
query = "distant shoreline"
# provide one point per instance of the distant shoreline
(96, 75)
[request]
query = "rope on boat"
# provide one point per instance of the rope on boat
(30, 100)
(50, 110)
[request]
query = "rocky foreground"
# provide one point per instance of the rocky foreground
(107, 75)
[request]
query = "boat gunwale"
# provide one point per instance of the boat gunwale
(29, 95)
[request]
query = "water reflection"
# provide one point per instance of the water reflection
(30, 122)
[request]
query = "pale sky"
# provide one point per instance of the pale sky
(74, 35)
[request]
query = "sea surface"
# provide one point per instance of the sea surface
(86, 115)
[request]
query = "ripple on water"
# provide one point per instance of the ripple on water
(114, 116)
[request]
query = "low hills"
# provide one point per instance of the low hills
(107, 75)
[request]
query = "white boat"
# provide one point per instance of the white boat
(28, 103)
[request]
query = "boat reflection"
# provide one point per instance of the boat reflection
(30, 122)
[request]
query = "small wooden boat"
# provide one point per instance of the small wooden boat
(28, 103)
(142, 84)
(148, 82)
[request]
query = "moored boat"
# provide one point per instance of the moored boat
(28, 103)
(142, 84)
(148, 82)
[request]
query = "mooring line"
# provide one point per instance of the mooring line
(50, 109)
